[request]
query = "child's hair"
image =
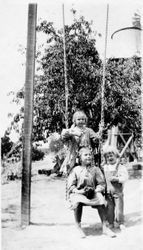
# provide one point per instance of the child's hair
(82, 150)
(110, 149)
(78, 113)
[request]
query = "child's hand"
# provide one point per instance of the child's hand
(76, 132)
(80, 191)
(110, 190)
(65, 133)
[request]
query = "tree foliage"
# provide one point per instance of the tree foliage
(84, 72)
(6, 145)
(123, 94)
(37, 154)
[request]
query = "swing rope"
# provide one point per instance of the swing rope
(103, 85)
(66, 87)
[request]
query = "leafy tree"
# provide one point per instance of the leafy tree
(84, 70)
(84, 77)
(122, 99)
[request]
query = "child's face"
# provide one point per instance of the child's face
(86, 157)
(111, 158)
(80, 121)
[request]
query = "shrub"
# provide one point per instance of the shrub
(37, 154)
(6, 145)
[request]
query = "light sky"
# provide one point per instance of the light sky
(13, 33)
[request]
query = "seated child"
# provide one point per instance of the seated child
(85, 186)
(115, 175)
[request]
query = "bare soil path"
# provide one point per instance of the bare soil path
(52, 223)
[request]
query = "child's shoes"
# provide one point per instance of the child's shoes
(81, 233)
(119, 226)
(122, 227)
(107, 231)
(111, 226)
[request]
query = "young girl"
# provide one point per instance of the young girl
(85, 186)
(115, 179)
(78, 136)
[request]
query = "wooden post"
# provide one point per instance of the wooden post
(65, 72)
(28, 115)
(126, 145)
(142, 84)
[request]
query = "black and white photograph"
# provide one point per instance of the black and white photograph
(71, 124)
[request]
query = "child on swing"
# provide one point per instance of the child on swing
(78, 136)
(115, 179)
(85, 186)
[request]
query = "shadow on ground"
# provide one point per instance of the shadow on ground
(133, 219)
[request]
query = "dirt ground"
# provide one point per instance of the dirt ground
(52, 223)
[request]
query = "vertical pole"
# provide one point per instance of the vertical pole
(65, 72)
(141, 89)
(142, 83)
(103, 84)
(28, 115)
